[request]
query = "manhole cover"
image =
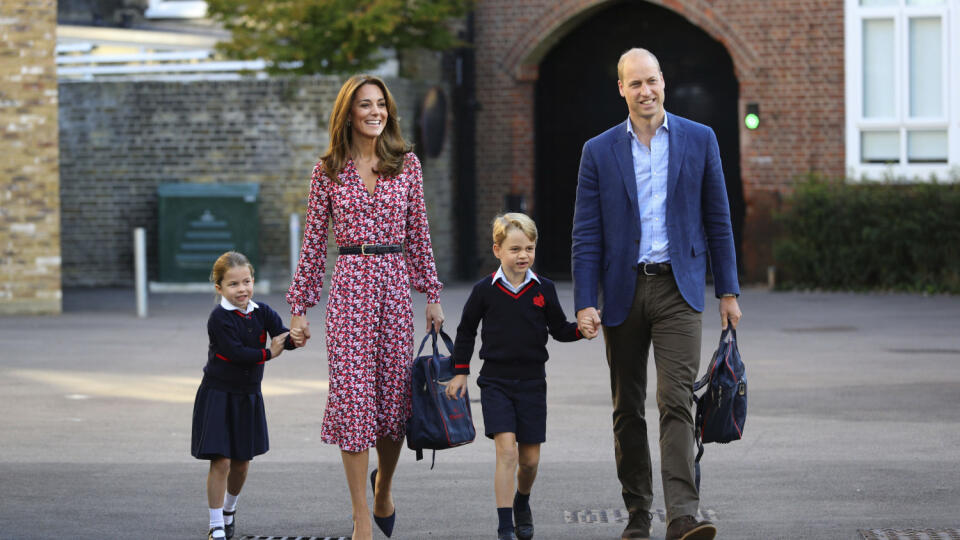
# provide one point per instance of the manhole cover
(249, 537)
(910, 534)
(620, 515)
(925, 351)
(821, 329)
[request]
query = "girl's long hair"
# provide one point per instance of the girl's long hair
(390, 147)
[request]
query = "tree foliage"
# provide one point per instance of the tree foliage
(333, 36)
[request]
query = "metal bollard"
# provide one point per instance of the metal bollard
(140, 269)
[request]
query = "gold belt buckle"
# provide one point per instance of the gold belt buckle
(363, 249)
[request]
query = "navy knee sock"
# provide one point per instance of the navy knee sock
(506, 519)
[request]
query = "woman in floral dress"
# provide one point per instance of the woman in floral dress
(370, 185)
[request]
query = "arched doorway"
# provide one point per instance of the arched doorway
(576, 98)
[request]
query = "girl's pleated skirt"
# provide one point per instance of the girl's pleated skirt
(228, 424)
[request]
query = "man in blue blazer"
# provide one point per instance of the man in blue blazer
(651, 206)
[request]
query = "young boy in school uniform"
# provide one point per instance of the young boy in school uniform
(517, 308)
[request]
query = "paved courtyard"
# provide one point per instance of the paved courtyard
(852, 425)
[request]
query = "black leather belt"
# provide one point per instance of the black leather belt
(654, 269)
(370, 249)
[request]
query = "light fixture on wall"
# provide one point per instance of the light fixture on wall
(752, 118)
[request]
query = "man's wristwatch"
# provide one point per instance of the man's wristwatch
(729, 294)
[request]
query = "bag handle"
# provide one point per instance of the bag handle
(728, 334)
(433, 334)
(446, 340)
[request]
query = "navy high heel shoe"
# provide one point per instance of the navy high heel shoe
(384, 523)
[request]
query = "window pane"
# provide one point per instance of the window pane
(880, 146)
(926, 2)
(926, 77)
(878, 2)
(878, 71)
(927, 147)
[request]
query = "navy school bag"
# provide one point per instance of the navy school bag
(437, 422)
(722, 408)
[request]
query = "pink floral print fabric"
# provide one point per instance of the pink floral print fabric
(369, 319)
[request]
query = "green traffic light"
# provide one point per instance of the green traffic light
(752, 121)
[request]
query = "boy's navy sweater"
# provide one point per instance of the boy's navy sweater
(514, 334)
(238, 347)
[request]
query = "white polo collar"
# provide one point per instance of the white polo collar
(251, 305)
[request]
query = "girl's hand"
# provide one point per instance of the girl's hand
(299, 330)
(296, 335)
(457, 386)
(434, 317)
(276, 344)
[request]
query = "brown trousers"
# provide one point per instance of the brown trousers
(659, 315)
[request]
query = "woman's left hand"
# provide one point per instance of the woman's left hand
(434, 317)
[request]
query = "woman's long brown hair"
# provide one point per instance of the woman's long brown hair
(390, 147)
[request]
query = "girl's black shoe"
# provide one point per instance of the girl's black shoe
(212, 534)
(230, 528)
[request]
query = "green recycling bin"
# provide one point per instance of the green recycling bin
(198, 222)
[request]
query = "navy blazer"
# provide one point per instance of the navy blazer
(606, 221)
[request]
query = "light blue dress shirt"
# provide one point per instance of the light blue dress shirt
(650, 168)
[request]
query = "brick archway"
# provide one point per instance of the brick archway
(529, 48)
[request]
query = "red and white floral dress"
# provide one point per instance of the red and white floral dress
(369, 312)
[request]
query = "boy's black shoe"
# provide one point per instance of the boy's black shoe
(212, 534)
(524, 520)
(228, 529)
(506, 535)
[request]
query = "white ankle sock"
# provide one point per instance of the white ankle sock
(216, 517)
(230, 505)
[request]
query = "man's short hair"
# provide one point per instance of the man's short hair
(631, 52)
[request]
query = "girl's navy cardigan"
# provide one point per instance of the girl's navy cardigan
(513, 340)
(238, 347)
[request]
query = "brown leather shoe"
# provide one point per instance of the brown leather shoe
(638, 527)
(687, 528)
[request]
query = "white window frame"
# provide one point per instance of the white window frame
(854, 15)
(165, 9)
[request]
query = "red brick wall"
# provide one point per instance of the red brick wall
(788, 58)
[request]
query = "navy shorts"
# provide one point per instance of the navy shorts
(516, 406)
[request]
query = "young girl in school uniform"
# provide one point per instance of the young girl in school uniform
(229, 422)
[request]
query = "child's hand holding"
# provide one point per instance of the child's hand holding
(276, 344)
(299, 330)
(296, 334)
(588, 319)
(457, 386)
